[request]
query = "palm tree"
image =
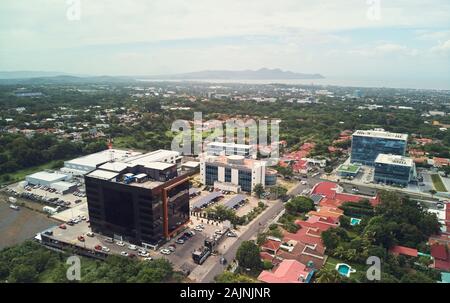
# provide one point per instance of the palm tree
(432, 192)
(327, 275)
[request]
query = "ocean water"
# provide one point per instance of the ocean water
(430, 84)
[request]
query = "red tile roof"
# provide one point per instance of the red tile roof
(330, 190)
(402, 250)
(289, 271)
(321, 223)
(439, 251)
(271, 245)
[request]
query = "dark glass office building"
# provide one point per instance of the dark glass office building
(394, 170)
(367, 145)
(141, 204)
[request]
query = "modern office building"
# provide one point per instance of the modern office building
(229, 149)
(235, 173)
(368, 144)
(138, 200)
(394, 169)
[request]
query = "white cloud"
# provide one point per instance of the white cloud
(442, 48)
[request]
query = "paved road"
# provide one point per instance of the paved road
(297, 189)
(259, 224)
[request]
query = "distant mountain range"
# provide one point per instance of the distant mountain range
(42, 77)
(260, 74)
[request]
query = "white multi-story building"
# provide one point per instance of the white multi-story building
(235, 173)
(229, 149)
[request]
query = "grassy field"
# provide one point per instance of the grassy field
(20, 174)
(438, 184)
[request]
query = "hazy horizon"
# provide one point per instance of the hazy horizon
(396, 42)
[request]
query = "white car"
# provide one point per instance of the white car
(199, 229)
(124, 253)
(132, 247)
(165, 251)
(120, 243)
(90, 234)
(106, 249)
(142, 254)
(231, 234)
(218, 232)
(142, 251)
(148, 259)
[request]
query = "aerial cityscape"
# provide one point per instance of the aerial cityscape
(249, 166)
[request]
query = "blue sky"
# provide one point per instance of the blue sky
(339, 39)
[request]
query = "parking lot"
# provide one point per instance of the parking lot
(180, 255)
(46, 196)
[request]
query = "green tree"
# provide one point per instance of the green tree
(258, 190)
(248, 255)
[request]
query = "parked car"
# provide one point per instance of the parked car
(179, 241)
(231, 234)
(105, 249)
(81, 238)
(165, 251)
(98, 247)
(124, 253)
(132, 247)
(148, 259)
(62, 226)
(90, 234)
(120, 243)
(171, 247)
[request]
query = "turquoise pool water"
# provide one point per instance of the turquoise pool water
(344, 269)
(355, 221)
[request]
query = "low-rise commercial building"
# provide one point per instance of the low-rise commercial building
(46, 178)
(86, 164)
(394, 169)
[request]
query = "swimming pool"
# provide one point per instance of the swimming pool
(355, 221)
(344, 269)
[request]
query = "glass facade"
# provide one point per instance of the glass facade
(245, 180)
(212, 174)
(227, 174)
(392, 174)
(271, 179)
(178, 206)
(133, 212)
(366, 149)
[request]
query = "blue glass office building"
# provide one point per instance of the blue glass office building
(367, 145)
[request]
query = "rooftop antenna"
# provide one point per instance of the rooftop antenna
(111, 150)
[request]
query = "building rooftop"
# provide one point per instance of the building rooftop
(394, 160)
(230, 144)
(289, 271)
(349, 168)
(378, 133)
(103, 174)
(235, 160)
(49, 177)
(93, 160)
(155, 156)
